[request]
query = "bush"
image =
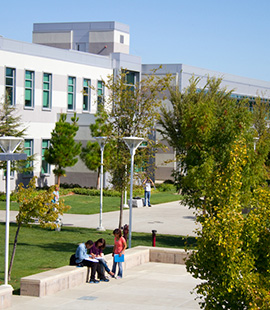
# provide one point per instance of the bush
(89, 192)
(3, 196)
(165, 187)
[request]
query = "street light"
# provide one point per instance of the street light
(9, 145)
(101, 141)
(132, 143)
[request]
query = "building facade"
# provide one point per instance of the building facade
(54, 75)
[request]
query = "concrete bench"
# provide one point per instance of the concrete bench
(50, 282)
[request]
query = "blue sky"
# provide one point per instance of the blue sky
(230, 36)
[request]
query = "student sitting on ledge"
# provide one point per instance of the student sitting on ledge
(84, 259)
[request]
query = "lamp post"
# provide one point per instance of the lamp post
(101, 141)
(132, 143)
(9, 145)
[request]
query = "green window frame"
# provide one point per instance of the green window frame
(100, 93)
(45, 166)
(86, 95)
(47, 91)
(71, 93)
(29, 151)
(29, 89)
(10, 85)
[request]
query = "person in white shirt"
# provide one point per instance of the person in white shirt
(147, 183)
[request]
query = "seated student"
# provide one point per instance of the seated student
(82, 259)
(97, 250)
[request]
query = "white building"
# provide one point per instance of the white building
(51, 77)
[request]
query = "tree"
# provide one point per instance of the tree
(35, 205)
(129, 110)
(63, 149)
(91, 156)
(202, 127)
(11, 125)
(232, 257)
(224, 174)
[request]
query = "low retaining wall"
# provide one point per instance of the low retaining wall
(53, 281)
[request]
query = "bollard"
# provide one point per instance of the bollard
(154, 237)
(125, 231)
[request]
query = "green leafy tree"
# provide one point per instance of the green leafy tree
(35, 205)
(63, 148)
(202, 127)
(232, 257)
(129, 110)
(91, 156)
(11, 125)
(213, 136)
(262, 133)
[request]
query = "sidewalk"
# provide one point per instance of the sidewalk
(151, 286)
(168, 218)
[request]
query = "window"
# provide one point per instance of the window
(131, 80)
(29, 89)
(28, 150)
(47, 91)
(121, 39)
(10, 85)
(45, 167)
(71, 93)
(100, 93)
(86, 94)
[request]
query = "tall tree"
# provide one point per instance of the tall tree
(11, 125)
(223, 174)
(91, 156)
(131, 109)
(202, 127)
(63, 147)
(35, 205)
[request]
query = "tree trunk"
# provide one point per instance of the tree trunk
(98, 179)
(14, 250)
(121, 210)
(58, 181)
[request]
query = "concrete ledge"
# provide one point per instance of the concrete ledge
(168, 256)
(136, 203)
(50, 282)
(5, 296)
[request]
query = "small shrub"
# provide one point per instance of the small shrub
(165, 187)
(3, 196)
(89, 192)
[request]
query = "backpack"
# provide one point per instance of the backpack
(72, 260)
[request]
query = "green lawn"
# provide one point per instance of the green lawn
(42, 249)
(82, 204)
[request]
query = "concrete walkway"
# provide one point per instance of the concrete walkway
(168, 218)
(151, 286)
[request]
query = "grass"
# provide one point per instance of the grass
(42, 249)
(82, 204)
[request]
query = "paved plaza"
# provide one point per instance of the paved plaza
(151, 286)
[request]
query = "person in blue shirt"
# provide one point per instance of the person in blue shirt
(84, 259)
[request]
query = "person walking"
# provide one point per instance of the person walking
(147, 183)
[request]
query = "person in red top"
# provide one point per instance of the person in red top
(119, 248)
